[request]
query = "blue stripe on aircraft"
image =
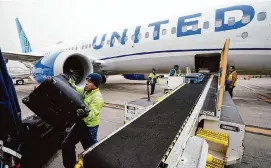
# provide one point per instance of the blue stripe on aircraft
(188, 50)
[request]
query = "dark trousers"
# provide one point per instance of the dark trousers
(152, 88)
(79, 132)
(230, 90)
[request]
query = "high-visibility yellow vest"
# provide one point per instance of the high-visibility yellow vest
(229, 80)
(152, 76)
(173, 72)
(178, 72)
(94, 101)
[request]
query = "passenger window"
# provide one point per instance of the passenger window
(147, 35)
(184, 29)
(218, 23)
(119, 39)
(139, 36)
(206, 25)
(155, 33)
(231, 21)
(82, 46)
(261, 16)
(89, 46)
(86, 46)
(108, 42)
(75, 48)
(133, 37)
(164, 31)
(195, 27)
(173, 30)
(246, 19)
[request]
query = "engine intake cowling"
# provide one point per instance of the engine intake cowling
(75, 66)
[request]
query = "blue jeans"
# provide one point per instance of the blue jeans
(152, 88)
(79, 132)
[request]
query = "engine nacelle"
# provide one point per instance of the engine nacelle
(74, 65)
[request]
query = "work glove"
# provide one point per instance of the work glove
(48, 79)
(81, 113)
(72, 82)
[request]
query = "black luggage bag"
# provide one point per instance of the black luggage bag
(56, 102)
(39, 142)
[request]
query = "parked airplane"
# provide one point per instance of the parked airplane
(194, 40)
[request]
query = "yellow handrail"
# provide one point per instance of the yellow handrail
(222, 73)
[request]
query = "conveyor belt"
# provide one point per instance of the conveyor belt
(144, 142)
(209, 106)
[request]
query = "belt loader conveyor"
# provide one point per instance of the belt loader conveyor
(184, 130)
(145, 140)
(176, 132)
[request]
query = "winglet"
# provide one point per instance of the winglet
(25, 44)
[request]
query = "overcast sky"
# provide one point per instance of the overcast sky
(46, 22)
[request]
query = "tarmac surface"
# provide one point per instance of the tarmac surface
(252, 98)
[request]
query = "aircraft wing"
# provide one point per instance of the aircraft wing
(27, 57)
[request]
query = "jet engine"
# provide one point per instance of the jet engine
(75, 66)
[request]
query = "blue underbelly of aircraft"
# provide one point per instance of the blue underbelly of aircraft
(134, 76)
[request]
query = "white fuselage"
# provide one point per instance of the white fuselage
(247, 24)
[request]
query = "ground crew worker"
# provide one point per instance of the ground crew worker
(175, 71)
(153, 79)
(85, 131)
(231, 80)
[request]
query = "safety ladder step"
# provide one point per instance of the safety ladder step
(216, 137)
(215, 163)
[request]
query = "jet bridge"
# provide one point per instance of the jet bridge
(196, 125)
